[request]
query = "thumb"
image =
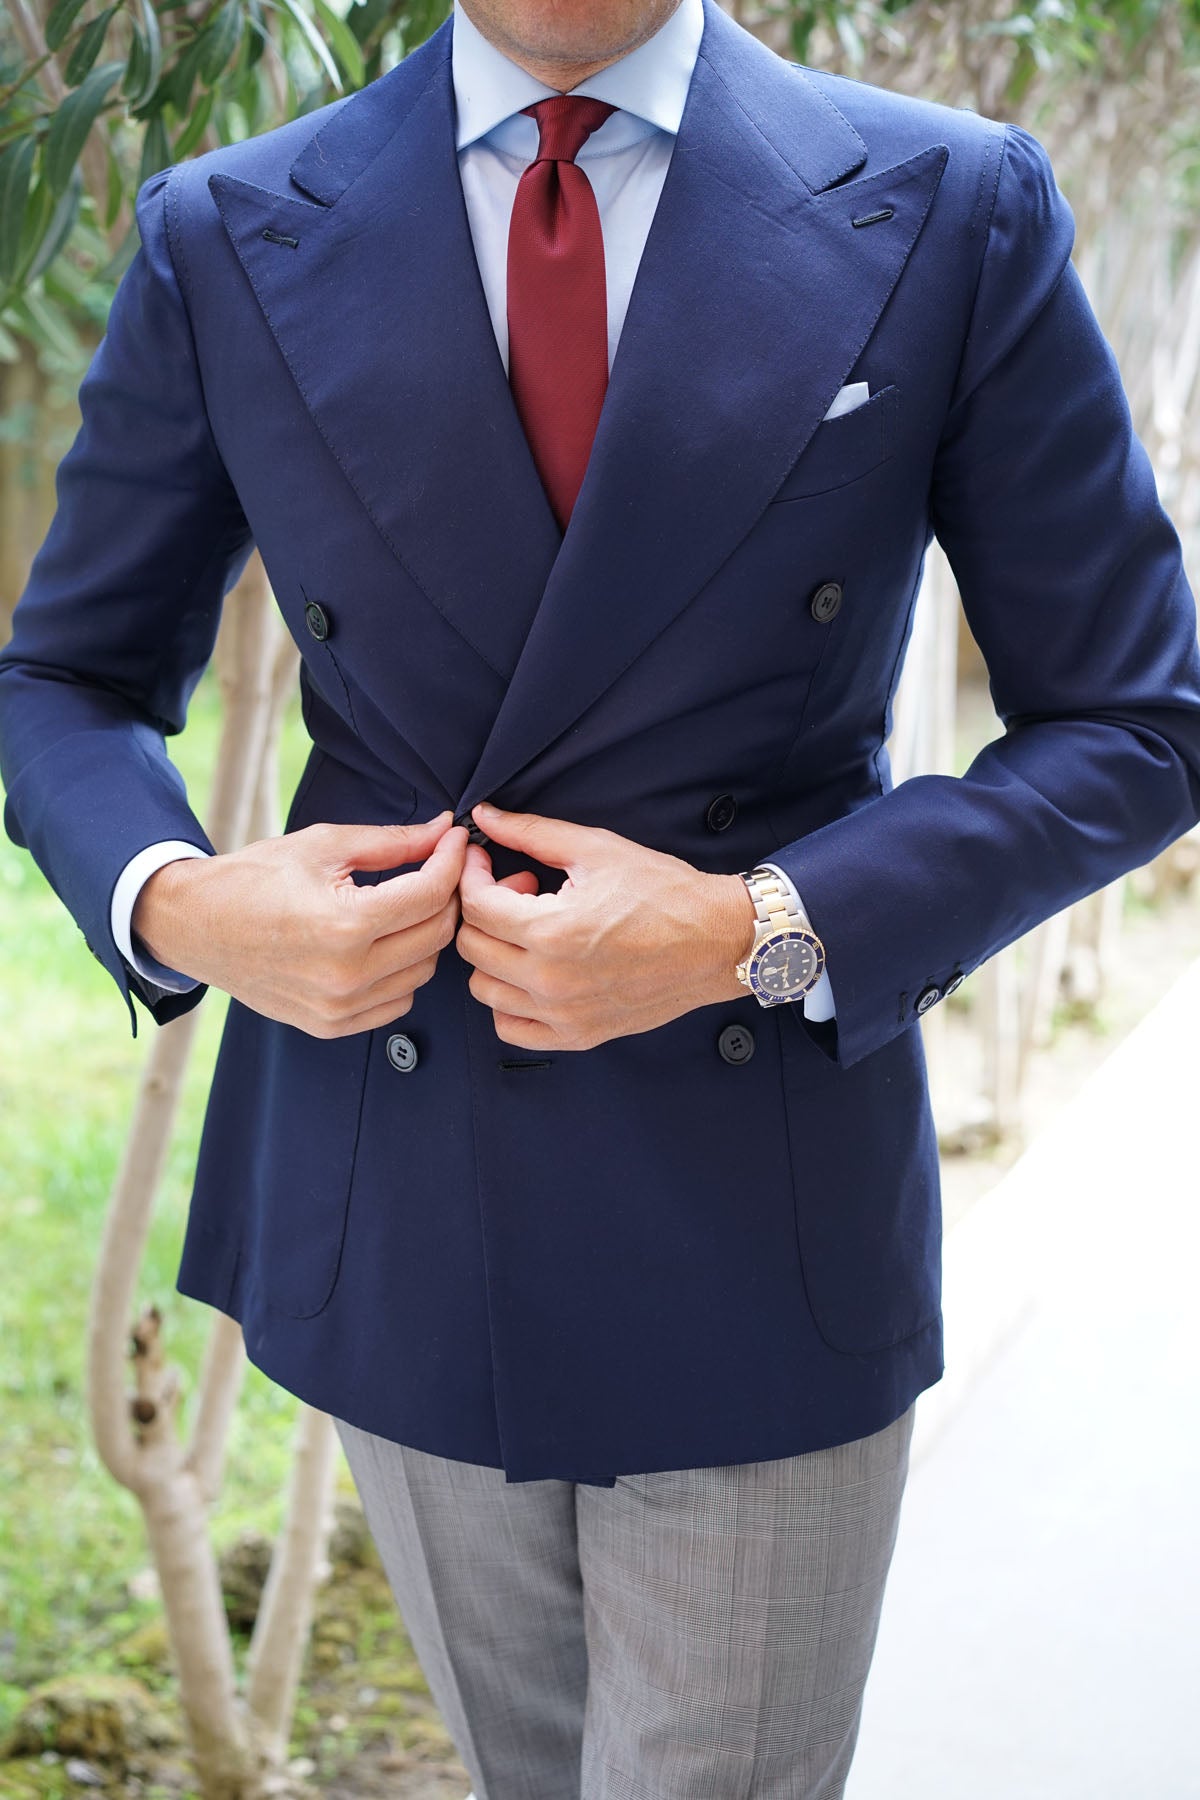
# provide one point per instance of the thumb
(554, 842)
(420, 893)
(387, 846)
(476, 875)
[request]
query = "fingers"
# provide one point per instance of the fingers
(528, 1034)
(494, 956)
(523, 882)
(418, 895)
(397, 928)
(502, 996)
(398, 988)
(383, 846)
(385, 1012)
(555, 842)
(501, 909)
(397, 950)
(331, 1014)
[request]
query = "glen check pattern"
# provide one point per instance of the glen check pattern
(694, 1634)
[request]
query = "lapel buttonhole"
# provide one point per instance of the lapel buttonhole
(871, 218)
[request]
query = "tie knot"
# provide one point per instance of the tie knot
(565, 122)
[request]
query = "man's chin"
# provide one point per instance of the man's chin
(563, 38)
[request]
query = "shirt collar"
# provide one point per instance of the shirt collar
(651, 82)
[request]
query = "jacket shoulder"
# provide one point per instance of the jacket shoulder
(995, 170)
(266, 158)
(895, 125)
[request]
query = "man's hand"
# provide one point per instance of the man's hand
(284, 928)
(631, 940)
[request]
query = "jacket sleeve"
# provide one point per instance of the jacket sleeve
(120, 613)
(1072, 582)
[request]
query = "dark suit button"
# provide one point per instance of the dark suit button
(827, 602)
(721, 812)
(475, 833)
(736, 1044)
(928, 997)
(317, 620)
(953, 985)
(402, 1053)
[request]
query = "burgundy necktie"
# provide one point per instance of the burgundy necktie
(557, 306)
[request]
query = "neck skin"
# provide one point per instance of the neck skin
(561, 72)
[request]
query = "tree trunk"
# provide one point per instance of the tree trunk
(174, 1486)
(285, 1616)
(177, 1525)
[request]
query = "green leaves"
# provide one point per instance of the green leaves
(156, 149)
(195, 128)
(145, 56)
(345, 45)
(61, 17)
(16, 173)
(175, 88)
(72, 122)
(88, 47)
(35, 222)
(312, 39)
(221, 39)
(54, 223)
(418, 20)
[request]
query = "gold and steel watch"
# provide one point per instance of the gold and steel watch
(787, 958)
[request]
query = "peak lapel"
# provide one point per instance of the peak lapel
(754, 299)
(380, 315)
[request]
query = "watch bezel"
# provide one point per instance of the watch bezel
(770, 942)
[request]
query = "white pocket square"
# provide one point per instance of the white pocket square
(848, 398)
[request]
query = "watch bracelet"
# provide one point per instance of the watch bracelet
(773, 905)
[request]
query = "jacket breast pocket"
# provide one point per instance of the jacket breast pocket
(845, 449)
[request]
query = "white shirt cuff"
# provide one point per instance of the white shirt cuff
(130, 882)
(818, 1003)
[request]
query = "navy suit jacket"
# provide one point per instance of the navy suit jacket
(643, 1256)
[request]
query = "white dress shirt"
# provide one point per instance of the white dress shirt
(625, 160)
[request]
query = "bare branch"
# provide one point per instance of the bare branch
(220, 1385)
(281, 1630)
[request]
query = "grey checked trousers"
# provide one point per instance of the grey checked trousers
(697, 1634)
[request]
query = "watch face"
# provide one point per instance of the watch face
(787, 965)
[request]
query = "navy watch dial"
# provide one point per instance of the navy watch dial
(787, 966)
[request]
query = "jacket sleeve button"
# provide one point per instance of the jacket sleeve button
(402, 1053)
(317, 620)
(928, 997)
(736, 1044)
(953, 985)
(827, 602)
(721, 812)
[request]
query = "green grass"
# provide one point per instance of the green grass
(70, 1537)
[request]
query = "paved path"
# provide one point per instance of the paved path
(1041, 1633)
